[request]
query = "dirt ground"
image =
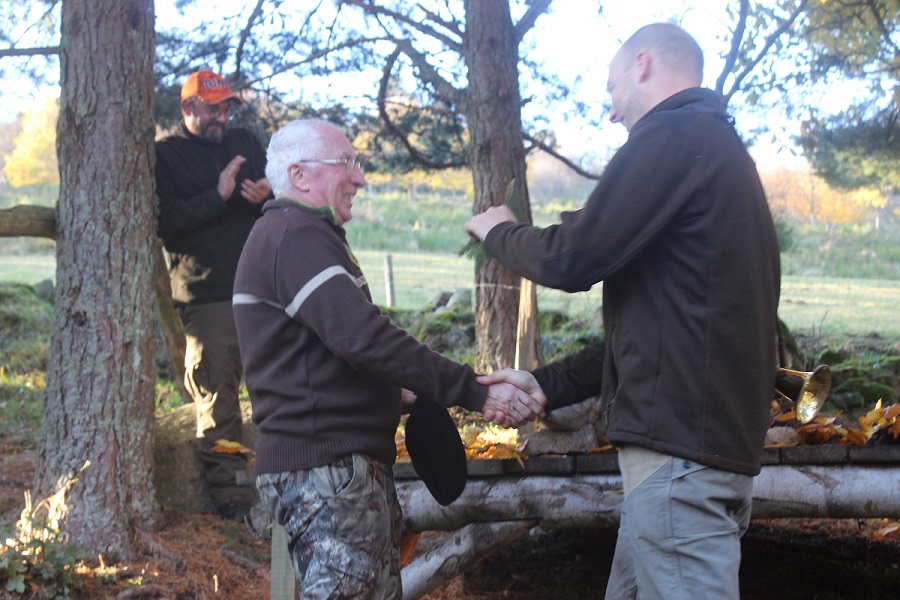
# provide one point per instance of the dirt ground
(201, 557)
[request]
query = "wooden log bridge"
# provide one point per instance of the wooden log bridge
(504, 499)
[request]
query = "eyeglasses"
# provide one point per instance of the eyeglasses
(216, 110)
(350, 164)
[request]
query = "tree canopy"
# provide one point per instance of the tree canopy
(857, 40)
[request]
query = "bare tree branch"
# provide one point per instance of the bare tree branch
(736, 40)
(564, 160)
(535, 10)
(882, 28)
(245, 34)
(42, 51)
(452, 26)
(317, 55)
(770, 41)
(430, 75)
(371, 7)
(396, 131)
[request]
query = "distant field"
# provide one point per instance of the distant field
(826, 306)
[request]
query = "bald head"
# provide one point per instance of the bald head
(673, 47)
(656, 62)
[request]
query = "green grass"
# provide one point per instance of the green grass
(841, 307)
(828, 307)
(28, 269)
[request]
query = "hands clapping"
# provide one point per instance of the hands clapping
(253, 192)
(514, 398)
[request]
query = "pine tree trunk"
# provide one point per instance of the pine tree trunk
(498, 155)
(100, 378)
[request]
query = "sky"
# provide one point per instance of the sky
(575, 43)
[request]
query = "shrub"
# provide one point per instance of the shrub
(37, 554)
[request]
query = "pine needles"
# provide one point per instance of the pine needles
(474, 249)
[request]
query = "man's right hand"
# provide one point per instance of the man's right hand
(481, 224)
(228, 177)
(514, 398)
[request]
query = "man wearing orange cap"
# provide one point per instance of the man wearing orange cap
(210, 184)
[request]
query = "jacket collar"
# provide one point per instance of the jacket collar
(323, 212)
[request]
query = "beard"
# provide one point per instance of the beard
(213, 132)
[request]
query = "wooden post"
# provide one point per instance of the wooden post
(169, 321)
(526, 328)
(388, 281)
(526, 338)
(283, 584)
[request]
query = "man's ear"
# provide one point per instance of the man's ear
(187, 107)
(297, 175)
(643, 62)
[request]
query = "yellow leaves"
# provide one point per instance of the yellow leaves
(479, 442)
(491, 442)
(786, 417)
(836, 429)
(881, 418)
(230, 447)
(486, 450)
(817, 433)
(890, 532)
(807, 196)
(400, 441)
(33, 160)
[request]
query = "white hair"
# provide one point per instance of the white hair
(295, 142)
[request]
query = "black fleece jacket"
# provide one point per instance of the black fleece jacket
(679, 232)
(202, 233)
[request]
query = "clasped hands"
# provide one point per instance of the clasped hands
(514, 398)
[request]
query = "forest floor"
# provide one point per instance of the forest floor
(202, 557)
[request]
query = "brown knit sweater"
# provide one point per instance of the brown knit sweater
(323, 365)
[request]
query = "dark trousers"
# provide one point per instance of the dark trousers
(213, 377)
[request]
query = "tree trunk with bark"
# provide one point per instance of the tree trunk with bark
(497, 156)
(100, 379)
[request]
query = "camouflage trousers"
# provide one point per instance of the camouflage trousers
(343, 521)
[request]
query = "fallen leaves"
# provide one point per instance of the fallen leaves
(880, 418)
(834, 429)
(230, 447)
(479, 442)
(889, 533)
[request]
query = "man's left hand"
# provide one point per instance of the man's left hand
(255, 192)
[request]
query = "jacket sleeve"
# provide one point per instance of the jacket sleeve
(640, 192)
(178, 213)
(572, 379)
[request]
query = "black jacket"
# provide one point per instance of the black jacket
(203, 234)
(679, 232)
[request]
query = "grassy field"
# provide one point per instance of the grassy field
(827, 307)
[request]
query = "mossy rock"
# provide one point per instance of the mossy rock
(23, 313)
(830, 356)
(861, 393)
(445, 330)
